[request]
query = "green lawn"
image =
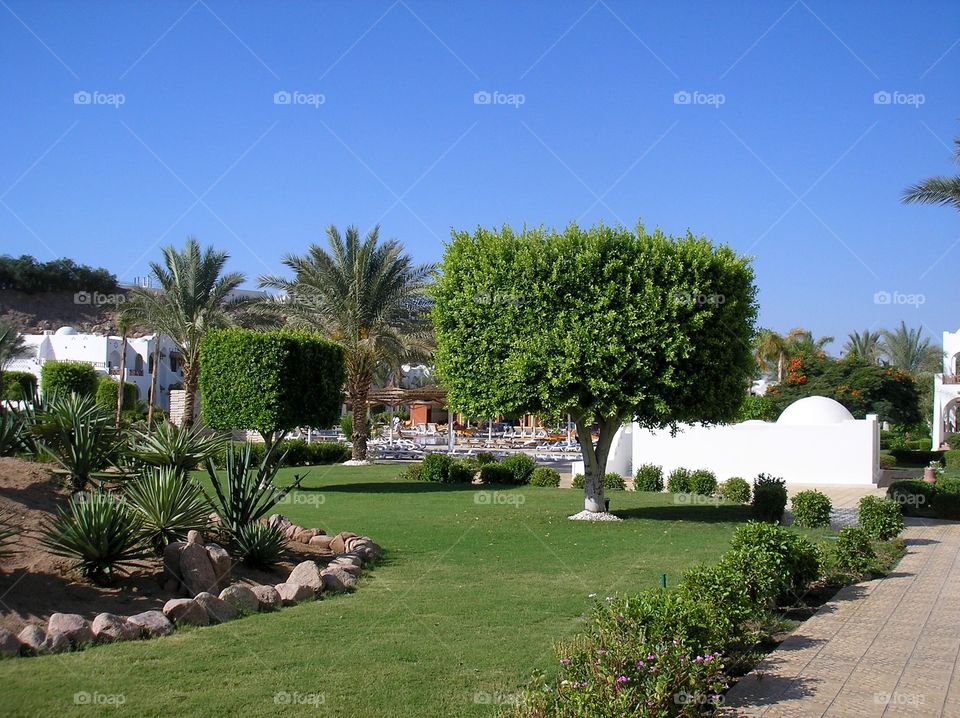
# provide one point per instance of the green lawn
(469, 599)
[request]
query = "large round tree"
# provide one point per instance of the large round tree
(367, 296)
(606, 324)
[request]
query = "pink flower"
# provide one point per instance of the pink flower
(564, 661)
(622, 679)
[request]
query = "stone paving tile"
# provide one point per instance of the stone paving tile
(883, 648)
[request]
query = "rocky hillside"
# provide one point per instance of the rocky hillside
(34, 312)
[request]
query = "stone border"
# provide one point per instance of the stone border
(307, 582)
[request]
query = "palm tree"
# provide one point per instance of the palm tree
(194, 296)
(908, 350)
(801, 341)
(366, 295)
(863, 345)
(937, 190)
(11, 347)
(771, 348)
(124, 325)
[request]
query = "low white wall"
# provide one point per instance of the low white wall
(843, 453)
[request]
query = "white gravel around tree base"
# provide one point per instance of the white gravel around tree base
(357, 462)
(594, 516)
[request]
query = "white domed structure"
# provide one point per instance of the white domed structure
(814, 411)
(65, 331)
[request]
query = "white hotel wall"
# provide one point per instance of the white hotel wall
(811, 443)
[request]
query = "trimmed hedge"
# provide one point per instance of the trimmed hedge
(436, 468)
(107, 390)
(268, 381)
(68, 377)
(736, 489)
(495, 474)
(911, 457)
(300, 453)
(887, 461)
(951, 459)
(678, 482)
(703, 482)
(520, 467)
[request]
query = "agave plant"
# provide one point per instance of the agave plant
(182, 448)
(15, 435)
(169, 505)
(259, 544)
(248, 492)
(7, 535)
(98, 532)
(78, 435)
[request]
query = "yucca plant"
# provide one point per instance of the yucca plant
(76, 433)
(15, 435)
(246, 493)
(259, 544)
(7, 535)
(183, 448)
(169, 505)
(98, 532)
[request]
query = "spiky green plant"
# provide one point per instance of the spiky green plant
(15, 433)
(246, 493)
(98, 532)
(183, 448)
(7, 535)
(259, 544)
(76, 433)
(169, 505)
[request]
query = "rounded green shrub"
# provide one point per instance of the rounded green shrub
(854, 554)
(545, 476)
(436, 468)
(19, 385)
(649, 477)
(413, 472)
(520, 467)
(578, 481)
(776, 563)
(769, 498)
(678, 482)
(461, 472)
(485, 457)
(887, 461)
(107, 390)
(68, 377)
(613, 482)
(880, 518)
(736, 489)
(495, 474)
(703, 482)
(811, 509)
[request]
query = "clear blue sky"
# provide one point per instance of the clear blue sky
(799, 166)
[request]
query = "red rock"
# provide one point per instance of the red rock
(268, 597)
(196, 569)
(108, 628)
(307, 573)
(241, 598)
(186, 612)
(291, 593)
(218, 610)
(152, 623)
(75, 628)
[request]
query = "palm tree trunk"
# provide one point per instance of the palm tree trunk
(123, 375)
(189, 392)
(358, 407)
(780, 360)
(152, 397)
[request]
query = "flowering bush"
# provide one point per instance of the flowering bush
(642, 656)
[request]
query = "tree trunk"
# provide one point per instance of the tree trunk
(189, 393)
(154, 369)
(780, 360)
(595, 459)
(123, 375)
(358, 407)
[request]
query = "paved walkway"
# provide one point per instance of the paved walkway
(887, 647)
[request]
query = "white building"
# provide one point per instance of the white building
(816, 440)
(946, 391)
(103, 354)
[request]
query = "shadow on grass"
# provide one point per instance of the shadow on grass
(398, 487)
(699, 514)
